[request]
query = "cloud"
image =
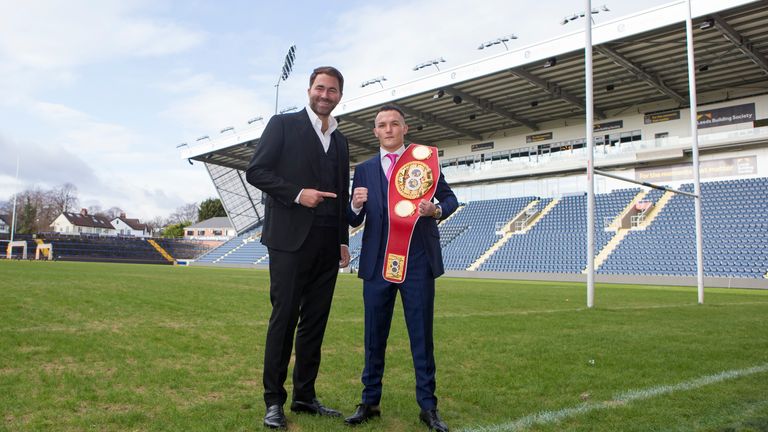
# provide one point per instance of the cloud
(368, 44)
(83, 134)
(159, 189)
(207, 106)
(53, 34)
(46, 165)
(144, 186)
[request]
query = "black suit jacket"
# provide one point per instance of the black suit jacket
(286, 161)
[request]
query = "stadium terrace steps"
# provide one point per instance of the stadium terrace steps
(609, 248)
(615, 225)
(539, 216)
(617, 221)
(487, 254)
(507, 231)
(735, 234)
(103, 249)
(473, 229)
(521, 217)
(555, 243)
(213, 256)
(182, 249)
(162, 251)
(657, 208)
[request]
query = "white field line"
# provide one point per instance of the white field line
(547, 417)
(576, 309)
(579, 309)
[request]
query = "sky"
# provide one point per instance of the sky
(99, 93)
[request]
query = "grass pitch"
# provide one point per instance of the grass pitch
(116, 347)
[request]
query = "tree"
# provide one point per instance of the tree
(156, 224)
(38, 208)
(185, 213)
(64, 198)
(114, 212)
(175, 230)
(95, 210)
(28, 218)
(212, 207)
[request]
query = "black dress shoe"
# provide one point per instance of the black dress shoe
(313, 407)
(362, 414)
(432, 419)
(275, 417)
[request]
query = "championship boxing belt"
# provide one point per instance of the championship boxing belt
(414, 178)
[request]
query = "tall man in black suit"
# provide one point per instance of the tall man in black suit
(302, 164)
(370, 190)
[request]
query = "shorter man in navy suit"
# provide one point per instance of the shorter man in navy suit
(424, 263)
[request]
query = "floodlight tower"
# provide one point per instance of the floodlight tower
(287, 68)
(433, 62)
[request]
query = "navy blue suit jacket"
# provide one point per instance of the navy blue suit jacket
(375, 211)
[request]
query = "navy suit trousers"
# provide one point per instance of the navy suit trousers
(418, 297)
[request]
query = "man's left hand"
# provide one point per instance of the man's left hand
(426, 208)
(345, 257)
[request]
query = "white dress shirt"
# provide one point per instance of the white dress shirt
(325, 138)
(317, 125)
(385, 163)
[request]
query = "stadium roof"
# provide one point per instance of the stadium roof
(638, 59)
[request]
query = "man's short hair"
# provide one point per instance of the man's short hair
(327, 70)
(391, 108)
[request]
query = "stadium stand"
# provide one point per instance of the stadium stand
(355, 244)
(735, 231)
(472, 230)
(16, 253)
(183, 249)
(556, 244)
(735, 224)
(243, 249)
(105, 249)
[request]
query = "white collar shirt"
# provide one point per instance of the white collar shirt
(385, 161)
(317, 125)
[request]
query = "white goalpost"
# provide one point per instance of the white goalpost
(591, 171)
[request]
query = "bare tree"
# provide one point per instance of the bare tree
(185, 213)
(156, 223)
(114, 212)
(35, 206)
(64, 198)
(96, 210)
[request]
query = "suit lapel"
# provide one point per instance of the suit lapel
(382, 185)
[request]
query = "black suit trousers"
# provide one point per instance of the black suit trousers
(301, 291)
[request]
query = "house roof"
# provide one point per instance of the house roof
(86, 220)
(135, 224)
(215, 222)
(6, 219)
